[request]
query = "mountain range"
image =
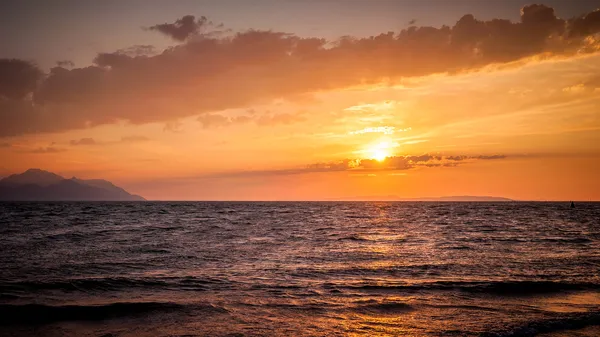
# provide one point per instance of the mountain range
(40, 185)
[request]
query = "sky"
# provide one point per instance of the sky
(305, 100)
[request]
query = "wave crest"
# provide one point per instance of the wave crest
(36, 314)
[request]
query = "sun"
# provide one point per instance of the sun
(379, 154)
(379, 151)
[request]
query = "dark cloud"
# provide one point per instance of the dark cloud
(585, 25)
(65, 64)
(180, 30)
(18, 78)
(84, 141)
(124, 57)
(5, 144)
(457, 158)
(498, 156)
(65, 86)
(138, 50)
(210, 72)
(185, 27)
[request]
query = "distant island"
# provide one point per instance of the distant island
(445, 198)
(40, 185)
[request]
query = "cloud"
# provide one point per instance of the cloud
(280, 118)
(381, 106)
(585, 25)
(83, 141)
(5, 144)
(91, 141)
(180, 30)
(185, 27)
(174, 126)
(397, 163)
(18, 78)
(213, 120)
(386, 130)
(457, 158)
(138, 50)
(65, 64)
(49, 149)
(134, 139)
(416, 141)
(498, 156)
(209, 71)
(367, 166)
(577, 88)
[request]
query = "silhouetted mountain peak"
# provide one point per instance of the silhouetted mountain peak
(33, 176)
(36, 184)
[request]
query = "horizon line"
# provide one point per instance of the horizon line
(303, 200)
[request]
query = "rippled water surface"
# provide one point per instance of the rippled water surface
(299, 269)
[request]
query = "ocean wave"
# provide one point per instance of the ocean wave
(354, 237)
(566, 240)
(110, 284)
(37, 314)
(377, 307)
(361, 270)
(465, 307)
(534, 328)
(507, 288)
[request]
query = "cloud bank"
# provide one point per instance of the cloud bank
(394, 163)
(43, 150)
(210, 71)
(92, 141)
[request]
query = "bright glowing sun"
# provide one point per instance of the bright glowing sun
(379, 151)
(379, 154)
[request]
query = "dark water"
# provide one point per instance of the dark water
(299, 269)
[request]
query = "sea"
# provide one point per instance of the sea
(299, 269)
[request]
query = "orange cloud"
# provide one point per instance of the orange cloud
(92, 141)
(214, 120)
(395, 163)
(49, 149)
(84, 141)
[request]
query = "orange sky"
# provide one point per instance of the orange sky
(523, 126)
